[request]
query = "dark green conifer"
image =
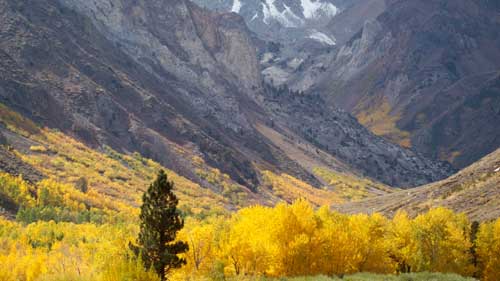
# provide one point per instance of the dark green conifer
(160, 222)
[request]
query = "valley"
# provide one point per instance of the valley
(305, 139)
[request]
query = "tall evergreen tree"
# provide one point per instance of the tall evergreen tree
(160, 222)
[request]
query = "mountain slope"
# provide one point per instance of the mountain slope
(337, 133)
(352, 19)
(424, 74)
(105, 96)
(474, 191)
(175, 82)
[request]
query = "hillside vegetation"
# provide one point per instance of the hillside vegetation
(284, 241)
(124, 177)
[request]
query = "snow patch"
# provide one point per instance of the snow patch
(254, 17)
(236, 6)
(286, 17)
(322, 38)
(314, 8)
(275, 75)
(267, 57)
(267, 13)
(295, 63)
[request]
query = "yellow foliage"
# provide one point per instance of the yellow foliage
(350, 187)
(402, 246)
(38, 148)
(287, 240)
(17, 122)
(16, 189)
(488, 250)
(113, 178)
(296, 240)
(67, 251)
(442, 239)
(377, 116)
(290, 189)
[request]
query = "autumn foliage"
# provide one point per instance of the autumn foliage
(64, 233)
(296, 240)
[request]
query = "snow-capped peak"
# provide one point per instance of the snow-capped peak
(286, 17)
(294, 16)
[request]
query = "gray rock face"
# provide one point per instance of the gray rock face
(293, 30)
(200, 49)
(435, 64)
(146, 76)
(3, 140)
(10, 163)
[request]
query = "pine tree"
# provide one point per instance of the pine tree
(160, 222)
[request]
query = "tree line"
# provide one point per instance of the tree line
(297, 240)
(287, 240)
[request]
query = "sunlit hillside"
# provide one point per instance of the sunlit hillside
(124, 177)
(106, 174)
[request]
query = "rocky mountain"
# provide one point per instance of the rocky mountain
(290, 31)
(424, 74)
(111, 73)
(473, 191)
(178, 83)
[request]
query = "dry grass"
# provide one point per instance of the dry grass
(289, 189)
(474, 191)
(350, 187)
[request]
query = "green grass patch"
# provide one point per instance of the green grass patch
(424, 276)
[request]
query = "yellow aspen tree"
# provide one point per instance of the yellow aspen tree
(442, 242)
(246, 246)
(200, 237)
(401, 243)
(368, 238)
(335, 248)
(488, 250)
(293, 234)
